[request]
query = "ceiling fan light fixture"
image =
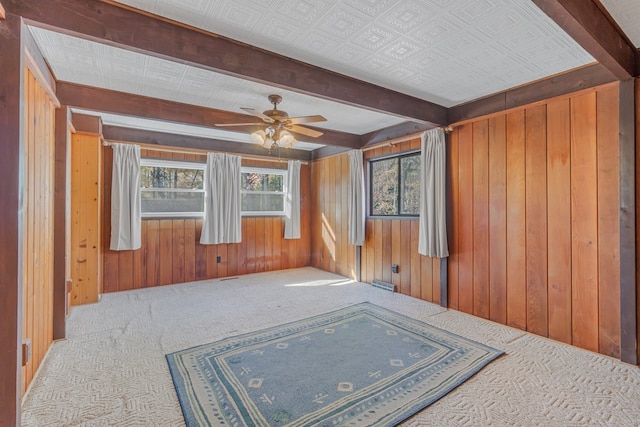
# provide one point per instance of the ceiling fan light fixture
(259, 137)
(286, 139)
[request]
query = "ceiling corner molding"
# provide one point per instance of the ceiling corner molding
(585, 22)
(124, 28)
(551, 87)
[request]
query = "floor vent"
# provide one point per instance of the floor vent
(384, 285)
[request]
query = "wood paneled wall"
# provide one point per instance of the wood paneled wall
(535, 233)
(171, 252)
(387, 241)
(86, 247)
(37, 246)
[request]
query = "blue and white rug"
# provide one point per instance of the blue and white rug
(359, 366)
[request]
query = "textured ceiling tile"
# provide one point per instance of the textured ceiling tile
(342, 22)
(374, 37)
(407, 15)
(372, 7)
(402, 50)
(304, 11)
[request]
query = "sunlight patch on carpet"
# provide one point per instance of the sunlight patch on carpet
(359, 366)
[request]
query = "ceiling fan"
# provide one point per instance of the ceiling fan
(278, 125)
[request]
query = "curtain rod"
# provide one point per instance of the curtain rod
(391, 142)
(200, 151)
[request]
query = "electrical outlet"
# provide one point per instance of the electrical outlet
(26, 351)
(394, 268)
(219, 259)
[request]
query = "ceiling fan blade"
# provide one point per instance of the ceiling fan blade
(304, 131)
(258, 114)
(238, 124)
(306, 119)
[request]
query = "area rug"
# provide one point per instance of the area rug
(359, 366)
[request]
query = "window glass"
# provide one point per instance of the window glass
(263, 191)
(171, 188)
(395, 186)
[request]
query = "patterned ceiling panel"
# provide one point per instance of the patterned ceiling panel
(627, 14)
(444, 51)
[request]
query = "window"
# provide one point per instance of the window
(263, 191)
(394, 185)
(171, 188)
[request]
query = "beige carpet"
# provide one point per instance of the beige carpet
(111, 371)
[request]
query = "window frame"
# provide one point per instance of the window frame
(175, 164)
(369, 186)
(266, 170)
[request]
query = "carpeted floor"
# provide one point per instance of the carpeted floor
(111, 371)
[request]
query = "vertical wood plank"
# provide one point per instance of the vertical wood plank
(454, 221)
(498, 219)
(405, 256)
(276, 237)
(377, 247)
(465, 221)
(516, 215)
(481, 219)
(259, 238)
(435, 281)
(190, 250)
(251, 244)
(415, 288)
(201, 254)
(386, 250)
(608, 222)
(178, 247)
(165, 258)
(559, 217)
(153, 252)
(223, 265)
(426, 280)
(395, 258)
(268, 243)
(536, 219)
(584, 218)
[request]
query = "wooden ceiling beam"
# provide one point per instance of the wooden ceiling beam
(132, 30)
(551, 87)
(108, 101)
(586, 23)
(142, 136)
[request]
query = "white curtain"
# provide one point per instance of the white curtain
(356, 198)
(292, 201)
(433, 206)
(222, 210)
(126, 214)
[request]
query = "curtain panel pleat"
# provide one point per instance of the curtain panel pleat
(356, 198)
(223, 216)
(292, 201)
(126, 212)
(433, 206)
